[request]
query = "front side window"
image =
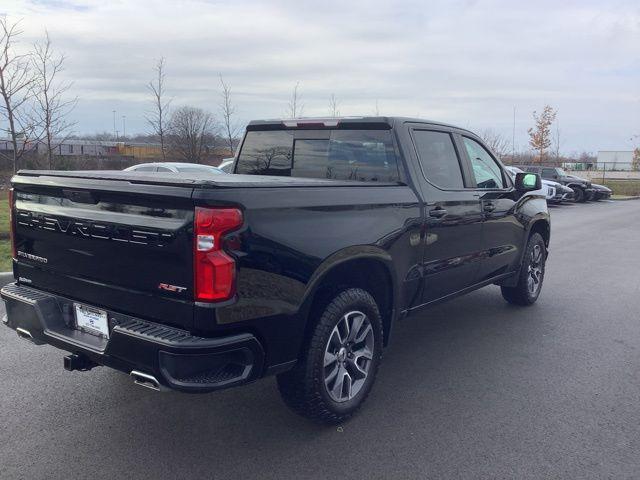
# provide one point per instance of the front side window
(438, 159)
(362, 155)
(485, 169)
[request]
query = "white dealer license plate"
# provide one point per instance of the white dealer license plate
(91, 320)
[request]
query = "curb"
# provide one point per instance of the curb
(625, 199)
(5, 277)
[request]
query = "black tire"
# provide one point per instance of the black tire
(578, 195)
(305, 388)
(522, 293)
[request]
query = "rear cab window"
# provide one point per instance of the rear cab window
(340, 154)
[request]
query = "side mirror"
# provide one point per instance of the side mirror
(527, 182)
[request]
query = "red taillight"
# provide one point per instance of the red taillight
(11, 227)
(214, 271)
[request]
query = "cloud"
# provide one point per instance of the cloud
(464, 62)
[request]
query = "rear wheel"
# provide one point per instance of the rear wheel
(531, 275)
(337, 371)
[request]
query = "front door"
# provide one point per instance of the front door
(501, 230)
(453, 220)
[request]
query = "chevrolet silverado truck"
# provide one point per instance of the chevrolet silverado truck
(297, 265)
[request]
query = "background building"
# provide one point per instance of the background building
(615, 160)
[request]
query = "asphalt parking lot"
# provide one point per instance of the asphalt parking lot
(474, 388)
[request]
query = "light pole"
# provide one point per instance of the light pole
(124, 126)
(115, 132)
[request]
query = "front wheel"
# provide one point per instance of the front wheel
(336, 373)
(578, 195)
(531, 275)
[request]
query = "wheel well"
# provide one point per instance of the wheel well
(370, 275)
(541, 227)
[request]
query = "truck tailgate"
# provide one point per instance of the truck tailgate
(122, 245)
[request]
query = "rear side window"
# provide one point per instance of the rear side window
(548, 172)
(362, 155)
(439, 159)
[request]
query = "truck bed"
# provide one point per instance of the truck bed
(190, 179)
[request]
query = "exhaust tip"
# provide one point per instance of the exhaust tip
(24, 333)
(145, 380)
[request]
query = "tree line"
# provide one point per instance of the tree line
(187, 131)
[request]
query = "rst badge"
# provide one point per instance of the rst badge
(171, 288)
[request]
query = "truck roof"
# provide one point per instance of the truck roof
(327, 122)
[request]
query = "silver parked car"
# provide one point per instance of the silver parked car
(175, 167)
(227, 165)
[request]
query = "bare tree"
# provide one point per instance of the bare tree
(16, 89)
(190, 133)
(556, 143)
(158, 119)
(52, 106)
(497, 142)
(295, 108)
(333, 106)
(540, 134)
(228, 111)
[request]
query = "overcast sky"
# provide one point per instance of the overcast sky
(463, 62)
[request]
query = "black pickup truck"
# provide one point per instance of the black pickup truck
(299, 264)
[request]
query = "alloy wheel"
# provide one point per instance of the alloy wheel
(348, 356)
(535, 270)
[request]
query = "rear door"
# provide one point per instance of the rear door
(502, 232)
(112, 245)
(453, 220)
